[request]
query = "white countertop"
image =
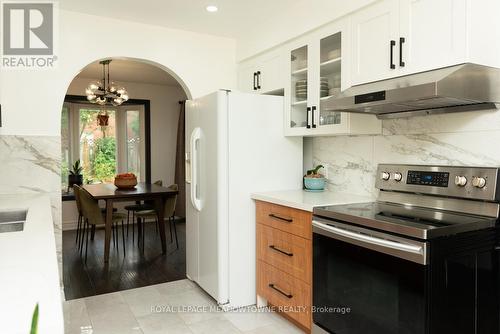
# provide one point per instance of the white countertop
(28, 269)
(304, 200)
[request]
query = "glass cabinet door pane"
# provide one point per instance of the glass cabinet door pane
(330, 117)
(299, 68)
(330, 75)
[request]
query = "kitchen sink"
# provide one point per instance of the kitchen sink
(12, 220)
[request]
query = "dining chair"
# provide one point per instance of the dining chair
(79, 240)
(133, 208)
(169, 211)
(93, 216)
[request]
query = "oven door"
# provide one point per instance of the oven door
(367, 282)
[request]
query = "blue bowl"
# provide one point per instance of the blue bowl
(311, 183)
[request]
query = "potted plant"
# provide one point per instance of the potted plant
(75, 175)
(34, 321)
(313, 180)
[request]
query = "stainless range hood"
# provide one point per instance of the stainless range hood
(465, 87)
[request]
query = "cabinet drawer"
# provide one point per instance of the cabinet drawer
(283, 218)
(285, 251)
(289, 294)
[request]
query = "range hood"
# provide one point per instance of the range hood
(465, 87)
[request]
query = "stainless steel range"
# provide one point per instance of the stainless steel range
(420, 259)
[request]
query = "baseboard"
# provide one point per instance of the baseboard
(69, 225)
(72, 225)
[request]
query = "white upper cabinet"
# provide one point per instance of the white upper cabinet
(318, 69)
(434, 34)
(374, 33)
(262, 74)
(272, 72)
(247, 77)
(397, 37)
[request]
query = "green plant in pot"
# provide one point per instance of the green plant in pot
(34, 321)
(314, 180)
(75, 174)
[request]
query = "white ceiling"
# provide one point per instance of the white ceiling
(235, 18)
(131, 71)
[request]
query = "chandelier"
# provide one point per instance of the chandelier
(106, 92)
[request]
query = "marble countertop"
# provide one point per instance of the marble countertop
(304, 200)
(28, 269)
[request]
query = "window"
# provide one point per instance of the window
(134, 143)
(103, 151)
(97, 146)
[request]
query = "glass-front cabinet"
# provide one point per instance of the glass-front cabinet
(300, 112)
(330, 77)
(318, 70)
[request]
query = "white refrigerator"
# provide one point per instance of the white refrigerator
(234, 146)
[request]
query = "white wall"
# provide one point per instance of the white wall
(32, 99)
(294, 20)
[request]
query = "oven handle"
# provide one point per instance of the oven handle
(333, 231)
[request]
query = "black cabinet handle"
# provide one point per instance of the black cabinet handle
(307, 117)
(393, 43)
(273, 247)
(288, 295)
(401, 41)
(313, 109)
(258, 80)
(254, 80)
(288, 220)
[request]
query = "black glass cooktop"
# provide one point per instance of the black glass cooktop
(417, 222)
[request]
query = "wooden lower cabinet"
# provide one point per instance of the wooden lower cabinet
(284, 251)
(284, 261)
(286, 293)
(290, 220)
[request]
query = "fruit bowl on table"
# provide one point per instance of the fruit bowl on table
(125, 181)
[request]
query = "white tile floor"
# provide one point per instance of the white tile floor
(179, 307)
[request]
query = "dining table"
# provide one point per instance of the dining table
(142, 192)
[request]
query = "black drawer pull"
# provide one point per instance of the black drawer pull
(258, 80)
(254, 80)
(401, 41)
(287, 295)
(393, 43)
(273, 247)
(288, 220)
(313, 110)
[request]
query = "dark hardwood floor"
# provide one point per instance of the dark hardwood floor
(135, 270)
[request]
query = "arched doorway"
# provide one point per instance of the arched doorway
(151, 118)
(155, 64)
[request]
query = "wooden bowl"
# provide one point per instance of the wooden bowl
(125, 183)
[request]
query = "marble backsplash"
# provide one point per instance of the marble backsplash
(471, 138)
(31, 164)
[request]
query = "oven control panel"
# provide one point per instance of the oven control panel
(436, 179)
(481, 183)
